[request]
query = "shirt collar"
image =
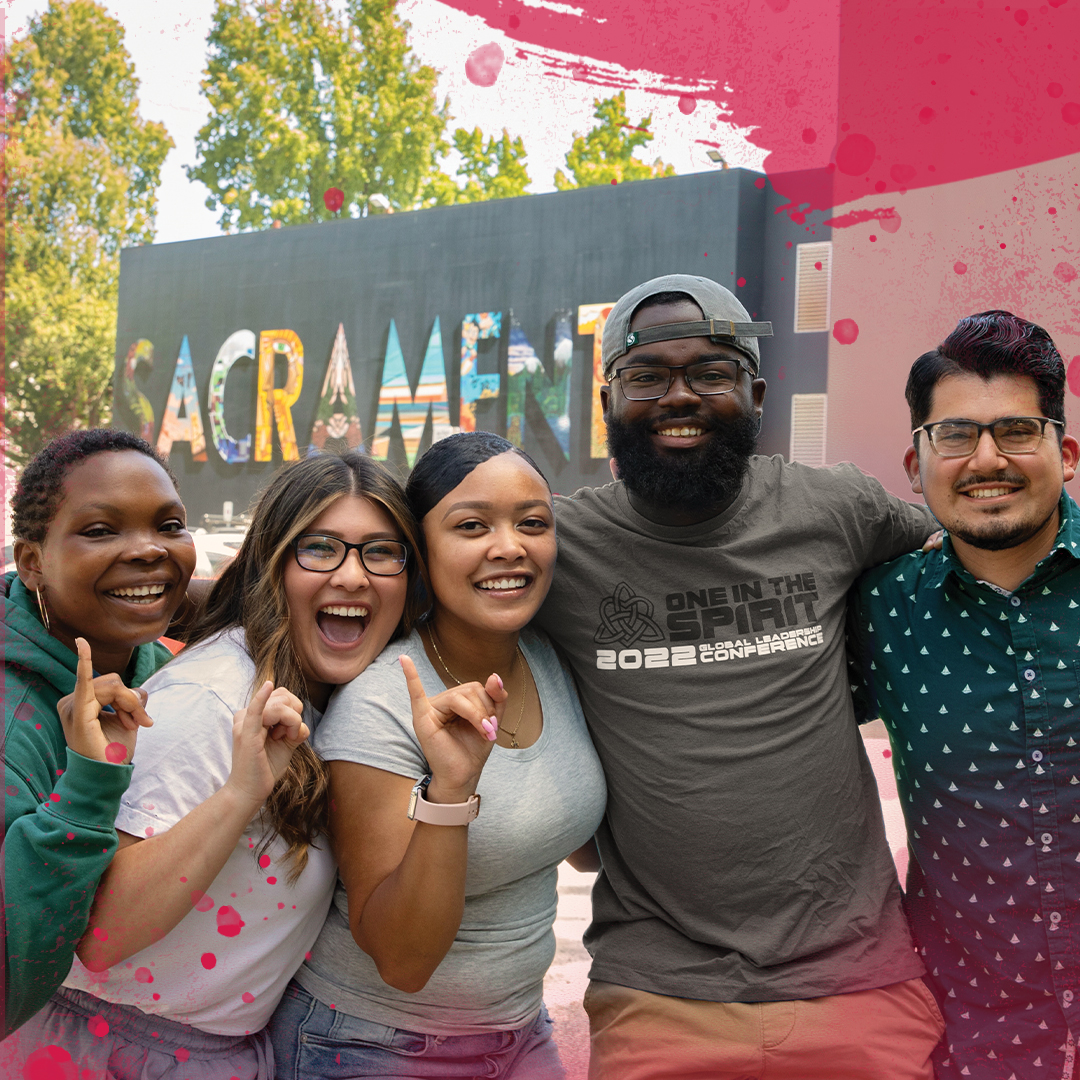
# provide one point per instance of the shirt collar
(1067, 540)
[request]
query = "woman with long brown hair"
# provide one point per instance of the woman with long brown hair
(223, 876)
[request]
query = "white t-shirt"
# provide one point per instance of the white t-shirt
(225, 966)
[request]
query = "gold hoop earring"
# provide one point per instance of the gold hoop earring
(42, 609)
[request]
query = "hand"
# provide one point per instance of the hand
(265, 734)
(457, 730)
(933, 541)
(88, 729)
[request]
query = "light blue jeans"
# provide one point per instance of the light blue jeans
(314, 1042)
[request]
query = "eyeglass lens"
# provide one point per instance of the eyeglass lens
(645, 383)
(384, 558)
(1012, 434)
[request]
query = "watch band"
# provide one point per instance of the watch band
(440, 813)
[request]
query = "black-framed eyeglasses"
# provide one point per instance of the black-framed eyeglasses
(646, 382)
(383, 558)
(1011, 435)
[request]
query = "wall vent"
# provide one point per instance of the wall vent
(808, 412)
(812, 286)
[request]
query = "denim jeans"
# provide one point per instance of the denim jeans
(314, 1042)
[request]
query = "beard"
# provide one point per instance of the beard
(695, 479)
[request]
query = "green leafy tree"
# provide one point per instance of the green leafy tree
(605, 155)
(304, 99)
(492, 169)
(82, 168)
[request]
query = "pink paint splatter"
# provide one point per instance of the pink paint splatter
(143, 975)
(11, 789)
(741, 282)
(1065, 272)
(229, 923)
(156, 997)
(1052, 210)
(264, 861)
(208, 960)
(817, 266)
(851, 49)
(855, 155)
(307, 955)
(271, 880)
(484, 64)
(25, 711)
(201, 901)
(101, 934)
(182, 1055)
(959, 267)
(1055, 89)
(149, 830)
(98, 1026)
(1070, 112)
(281, 906)
(333, 199)
(809, 135)
(845, 331)
(873, 239)
(53, 797)
(886, 753)
(1021, 16)
(49, 1063)
(759, 183)
(116, 752)
(247, 997)
(687, 104)
(1073, 376)
(71, 836)
(890, 222)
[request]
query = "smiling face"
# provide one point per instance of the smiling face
(990, 500)
(116, 559)
(343, 619)
(682, 451)
(491, 547)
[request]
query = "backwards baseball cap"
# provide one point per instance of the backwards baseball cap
(725, 320)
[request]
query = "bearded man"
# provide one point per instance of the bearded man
(747, 920)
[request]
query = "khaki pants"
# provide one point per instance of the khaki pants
(883, 1034)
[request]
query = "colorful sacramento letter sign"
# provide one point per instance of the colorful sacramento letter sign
(590, 320)
(141, 417)
(473, 385)
(233, 451)
(335, 417)
(183, 395)
(274, 404)
(396, 396)
(526, 371)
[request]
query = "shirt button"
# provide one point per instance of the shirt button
(1055, 917)
(1029, 674)
(1047, 838)
(1015, 601)
(1036, 755)
(1067, 995)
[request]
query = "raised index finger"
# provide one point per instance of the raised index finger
(412, 679)
(84, 696)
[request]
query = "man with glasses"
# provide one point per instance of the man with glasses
(970, 655)
(747, 919)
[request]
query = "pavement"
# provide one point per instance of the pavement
(568, 976)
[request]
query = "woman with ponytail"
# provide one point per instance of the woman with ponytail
(224, 874)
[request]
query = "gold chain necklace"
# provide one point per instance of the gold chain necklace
(517, 659)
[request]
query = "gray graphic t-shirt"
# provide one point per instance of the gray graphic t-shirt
(743, 846)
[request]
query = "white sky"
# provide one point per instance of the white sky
(169, 52)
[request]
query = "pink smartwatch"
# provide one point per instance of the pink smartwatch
(440, 813)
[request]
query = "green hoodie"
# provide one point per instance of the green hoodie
(59, 809)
